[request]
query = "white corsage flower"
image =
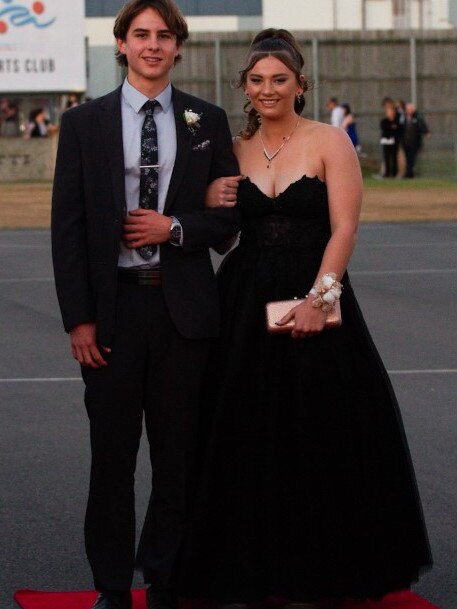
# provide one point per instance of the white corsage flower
(327, 291)
(192, 120)
(329, 297)
(327, 281)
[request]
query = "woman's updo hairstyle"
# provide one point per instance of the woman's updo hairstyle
(282, 45)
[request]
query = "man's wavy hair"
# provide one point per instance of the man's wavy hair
(167, 9)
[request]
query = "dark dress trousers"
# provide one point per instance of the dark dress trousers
(159, 335)
(415, 129)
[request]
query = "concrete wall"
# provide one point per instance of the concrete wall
(27, 160)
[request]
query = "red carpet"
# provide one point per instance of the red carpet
(32, 599)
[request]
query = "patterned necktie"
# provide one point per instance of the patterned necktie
(149, 176)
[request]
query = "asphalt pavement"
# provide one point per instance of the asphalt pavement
(405, 277)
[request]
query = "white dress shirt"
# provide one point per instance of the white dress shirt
(133, 117)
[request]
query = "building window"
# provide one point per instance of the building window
(109, 8)
(103, 8)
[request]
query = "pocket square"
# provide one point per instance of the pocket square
(202, 146)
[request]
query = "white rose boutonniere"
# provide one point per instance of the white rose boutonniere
(192, 120)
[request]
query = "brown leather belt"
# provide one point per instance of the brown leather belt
(140, 277)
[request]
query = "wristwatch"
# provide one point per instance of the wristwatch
(175, 231)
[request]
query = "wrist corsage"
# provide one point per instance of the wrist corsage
(192, 120)
(327, 292)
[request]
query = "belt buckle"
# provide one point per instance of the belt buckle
(149, 277)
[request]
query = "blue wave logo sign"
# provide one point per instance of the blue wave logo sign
(17, 14)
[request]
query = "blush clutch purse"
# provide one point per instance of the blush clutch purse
(277, 309)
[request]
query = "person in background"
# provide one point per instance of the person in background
(39, 125)
(400, 107)
(390, 138)
(336, 112)
(387, 101)
(9, 116)
(350, 126)
(72, 101)
(415, 128)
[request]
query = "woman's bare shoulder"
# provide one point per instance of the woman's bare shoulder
(319, 129)
(328, 137)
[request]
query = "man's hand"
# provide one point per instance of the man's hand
(222, 192)
(145, 227)
(84, 346)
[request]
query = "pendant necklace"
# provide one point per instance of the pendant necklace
(270, 157)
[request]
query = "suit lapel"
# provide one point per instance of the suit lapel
(110, 118)
(183, 147)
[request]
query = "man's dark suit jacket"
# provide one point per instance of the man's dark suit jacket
(88, 208)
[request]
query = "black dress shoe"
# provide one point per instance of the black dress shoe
(161, 599)
(113, 599)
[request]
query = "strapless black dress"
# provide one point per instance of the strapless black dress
(308, 490)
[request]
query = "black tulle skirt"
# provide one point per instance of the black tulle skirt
(307, 488)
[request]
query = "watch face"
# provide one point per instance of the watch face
(176, 232)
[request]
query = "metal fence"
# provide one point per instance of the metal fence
(359, 68)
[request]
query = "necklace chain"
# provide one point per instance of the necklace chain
(270, 157)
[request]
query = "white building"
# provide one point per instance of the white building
(359, 14)
(252, 15)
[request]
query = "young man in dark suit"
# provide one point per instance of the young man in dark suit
(137, 290)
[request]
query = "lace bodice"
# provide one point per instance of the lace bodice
(298, 217)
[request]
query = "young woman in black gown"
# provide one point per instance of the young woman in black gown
(308, 491)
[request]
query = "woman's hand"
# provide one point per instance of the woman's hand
(222, 192)
(309, 320)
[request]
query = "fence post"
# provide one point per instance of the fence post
(413, 68)
(218, 71)
(455, 158)
(315, 50)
